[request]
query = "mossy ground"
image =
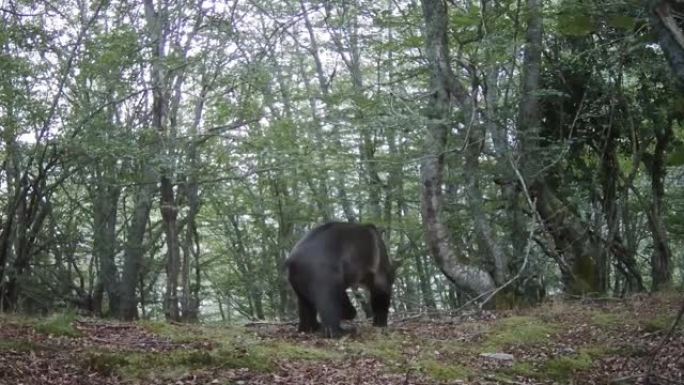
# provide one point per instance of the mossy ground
(518, 330)
(59, 325)
(554, 343)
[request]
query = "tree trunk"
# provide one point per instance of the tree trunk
(169, 212)
(608, 175)
(15, 195)
(528, 115)
(284, 243)
(573, 240)
(630, 270)
(444, 90)
(156, 21)
(663, 18)
(104, 244)
(134, 248)
(582, 250)
(661, 271)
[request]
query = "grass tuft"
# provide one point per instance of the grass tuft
(58, 325)
(662, 323)
(607, 319)
(442, 372)
(563, 368)
(517, 330)
(22, 346)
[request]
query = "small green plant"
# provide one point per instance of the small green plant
(387, 349)
(525, 369)
(518, 330)
(58, 325)
(662, 323)
(607, 319)
(442, 372)
(20, 346)
(174, 333)
(563, 368)
(167, 365)
(295, 352)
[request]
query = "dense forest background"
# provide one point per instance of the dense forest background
(160, 159)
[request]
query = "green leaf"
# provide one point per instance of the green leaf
(575, 25)
(470, 18)
(676, 157)
(465, 20)
(622, 22)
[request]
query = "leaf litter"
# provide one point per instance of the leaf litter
(578, 342)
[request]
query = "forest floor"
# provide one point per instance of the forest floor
(578, 342)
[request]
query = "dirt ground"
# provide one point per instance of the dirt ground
(600, 341)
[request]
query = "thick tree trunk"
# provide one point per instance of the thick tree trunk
(15, 195)
(574, 241)
(664, 21)
(104, 245)
(169, 212)
(190, 266)
(580, 251)
(156, 21)
(190, 300)
(444, 90)
(134, 248)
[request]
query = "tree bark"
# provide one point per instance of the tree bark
(190, 300)
(528, 116)
(104, 243)
(580, 268)
(661, 271)
(663, 18)
(134, 248)
(157, 24)
(444, 91)
(574, 241)
(608, 175)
